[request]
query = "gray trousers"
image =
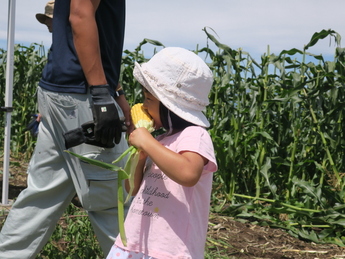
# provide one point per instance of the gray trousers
(55, 176)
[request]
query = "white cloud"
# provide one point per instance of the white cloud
(248, 24)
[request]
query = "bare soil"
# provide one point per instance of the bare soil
(227, 237)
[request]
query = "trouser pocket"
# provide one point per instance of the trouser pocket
(101, 195)
(100, 189)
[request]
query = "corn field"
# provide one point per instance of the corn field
(278, 129)
(28, 66)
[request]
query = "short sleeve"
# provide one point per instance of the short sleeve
(198, 140)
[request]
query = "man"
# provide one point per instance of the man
(77, 86)
(47, 17)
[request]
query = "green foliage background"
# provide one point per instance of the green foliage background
(277, 126)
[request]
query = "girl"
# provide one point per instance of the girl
(168, 217)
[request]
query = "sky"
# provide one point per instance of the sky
(251, 25)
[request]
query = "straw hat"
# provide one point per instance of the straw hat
(179, 79)
(49, 9)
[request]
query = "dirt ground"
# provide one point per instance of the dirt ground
(227, 237)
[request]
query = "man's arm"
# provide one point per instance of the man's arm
(106, 119)
(86, 40)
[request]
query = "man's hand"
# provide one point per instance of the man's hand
(105, 115)
(33, 124)
(123, 103)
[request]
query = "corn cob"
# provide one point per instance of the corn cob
(141, 118)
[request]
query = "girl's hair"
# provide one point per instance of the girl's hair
(177, 123)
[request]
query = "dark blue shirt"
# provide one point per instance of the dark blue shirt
(63, 72)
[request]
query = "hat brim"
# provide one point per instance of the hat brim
(42, 17)
(194, 116)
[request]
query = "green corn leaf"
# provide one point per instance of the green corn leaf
(122, 175)
(96, 162)
(321, 35)
(130, 167)
(127, 151)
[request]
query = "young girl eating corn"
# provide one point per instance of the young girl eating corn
(168, 216)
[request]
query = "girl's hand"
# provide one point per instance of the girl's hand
(139, 137)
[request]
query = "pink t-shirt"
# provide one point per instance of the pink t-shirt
(167, 220)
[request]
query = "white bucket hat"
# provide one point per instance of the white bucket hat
(179, 79)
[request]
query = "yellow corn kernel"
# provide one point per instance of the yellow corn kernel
(141, 118)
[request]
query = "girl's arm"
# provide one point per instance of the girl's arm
(184, 168)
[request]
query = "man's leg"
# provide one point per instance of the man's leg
(37, 209)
